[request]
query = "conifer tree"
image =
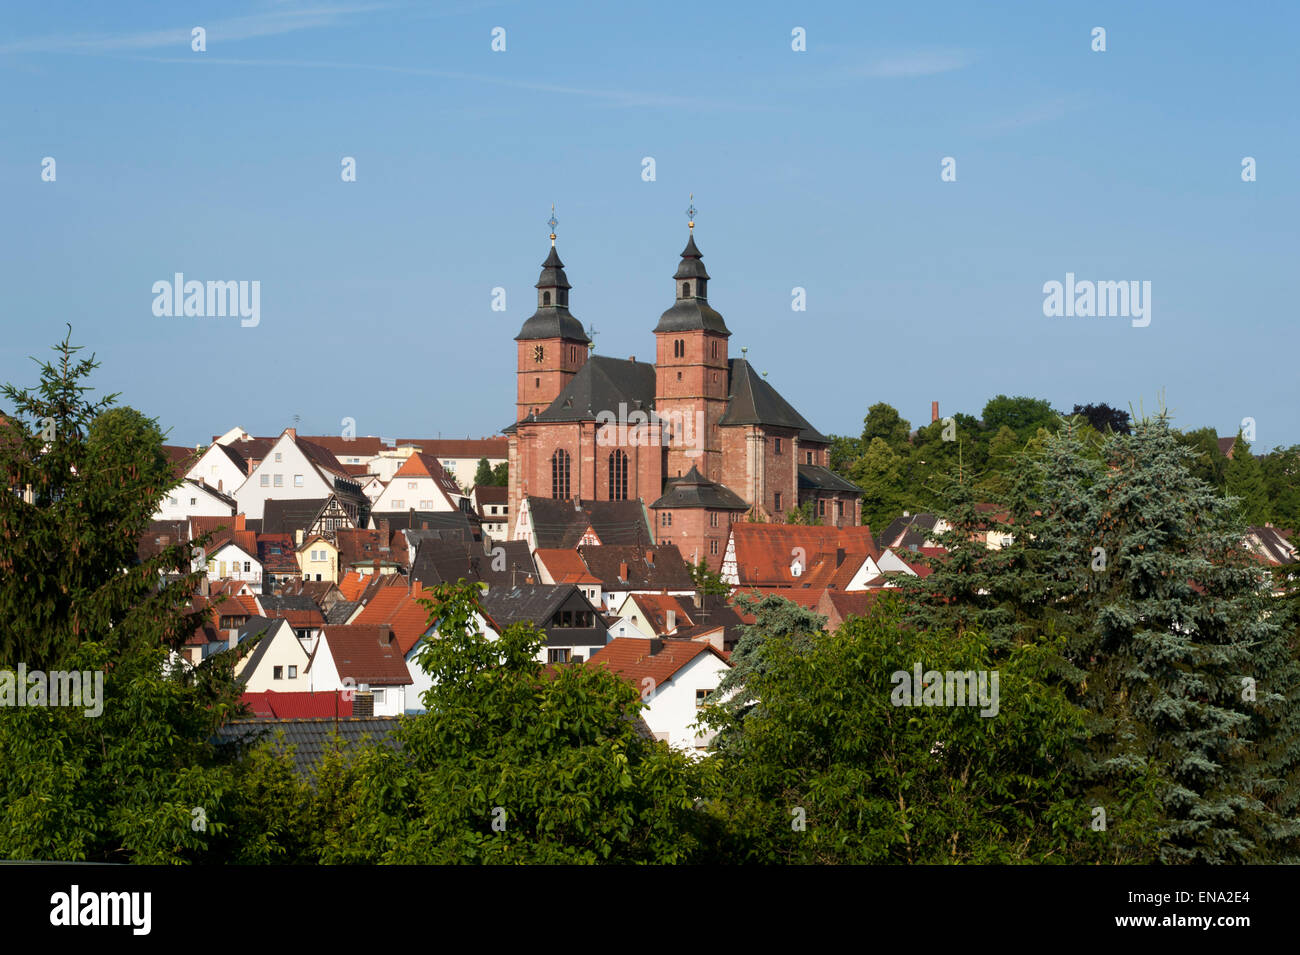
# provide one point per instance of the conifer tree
(1245, 481)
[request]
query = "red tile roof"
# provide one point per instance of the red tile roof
(475, 448)
(420, 464)
(564, 566)
(656, 607)
(367, 654)
(765, 552)
(632, 659)
(399, 610)
(290, 706)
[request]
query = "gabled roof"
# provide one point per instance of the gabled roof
(290, 515)
(312, 738)
(765, 553)
(399, 610)
(1226, 445)
(694, 490)
(283, 562)
(636, 658)
(602, 384)
(534, 603)
(1271, 545)
(907, 531)
(339, 446)
(181, 458)
(441, 561)
(205, 488)
(648, 568)
(161, 534)
(656, 607)
(559, 524)
(564, 565)
(817, 478)
(299, 609)
(423, 465)
(450, 525)
(754, 401)
(367, 654)
(360, 547)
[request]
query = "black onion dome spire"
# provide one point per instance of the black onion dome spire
(691, 311)
(552, 318)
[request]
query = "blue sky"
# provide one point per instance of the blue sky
(818, 169)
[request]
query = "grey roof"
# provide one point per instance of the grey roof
(553, 321)
(695, 490)
(341, 611)
(284, 602)
(558, 524)
(438, 562)
(445, 525)
(908, 532)
(691, 314)
(754, 401)
(538, 603)
(648, 568)
(256, 627)
(602, 384)
(286, 516)
(815, 477)
(311, 738)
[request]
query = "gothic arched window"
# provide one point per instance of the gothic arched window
(546, 298)
(560, 474)
(617, 476)
(686, 290)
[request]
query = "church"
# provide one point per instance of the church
(698, 437)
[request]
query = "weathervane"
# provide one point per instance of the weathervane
(552, 222)
(591, 334)
(690, 213)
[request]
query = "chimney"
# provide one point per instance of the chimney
(298, 536)
(671, 623)
(363, 701)
(650, 557)
(656, 645)
(934, 411)
(622, 570)
(383, 528)
(632, 359)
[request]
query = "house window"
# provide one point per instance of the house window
(839, 509)
(426, 505)
(686, 290)
(666, 519)
(297, 480)
(293, 673)
(713, 519)
(279, 480)
(194, 500)
(777, 502)
(410, 485)
(277, 673)
(266, 480)
(700, 697)
(277, 457)
(810, 460)
(557, 655)
(560, 474)
(248, 566)
(617, 476)
(379, 695)
(399, 504)
(713, 547)
(821, 507)
(778, 444)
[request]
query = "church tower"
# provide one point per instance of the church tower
(691, 369)
(552, 345)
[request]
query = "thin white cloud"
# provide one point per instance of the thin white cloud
(1031, 116)
(248, 27)
(903, 66)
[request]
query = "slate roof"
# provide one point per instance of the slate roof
(553, 321)
(537, 604)
(451, 525)
(694, 313)
(438, 562)
(908, 532)
(694, 490)
(341, 611)
(558, 524)
(1271, 545)
(312, 738)
(648, 568)
(288, 516)
(602, 384)
(817, 478)
(754, 401)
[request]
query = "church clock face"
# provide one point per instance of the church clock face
(538, 353)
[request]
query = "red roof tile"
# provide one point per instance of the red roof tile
(367, 654)
(291, 706)
(399, 610)
(632, 659)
